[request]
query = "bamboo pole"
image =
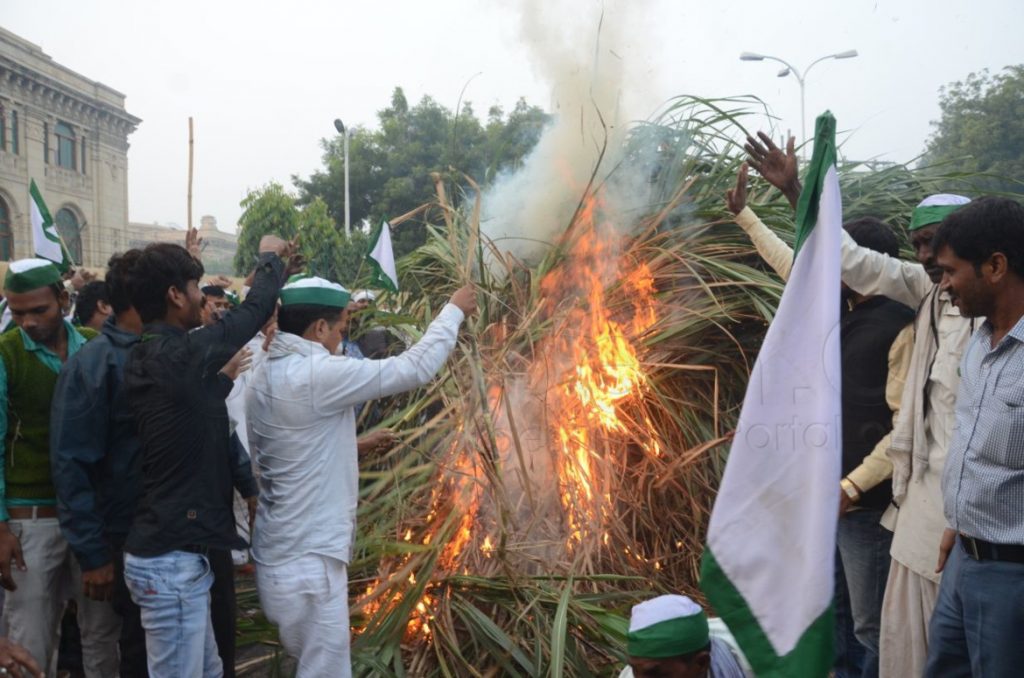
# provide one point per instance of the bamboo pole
(190, 154)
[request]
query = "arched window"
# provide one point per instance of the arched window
(71, 233)
(6, 233)
(65, 145)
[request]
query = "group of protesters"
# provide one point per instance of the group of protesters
(930, 534)
(172, 421)
(126, 441)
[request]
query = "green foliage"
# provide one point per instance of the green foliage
(390, 167)
(266, 210)
(328, 253)
(982, 129)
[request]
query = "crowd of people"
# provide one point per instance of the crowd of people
(162, 424)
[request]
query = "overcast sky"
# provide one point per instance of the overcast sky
(264, 80)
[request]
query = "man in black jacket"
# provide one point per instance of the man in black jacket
(176, 392)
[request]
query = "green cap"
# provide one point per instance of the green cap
(26, 275)
(667, 626)
(316, 292)
(935, 208)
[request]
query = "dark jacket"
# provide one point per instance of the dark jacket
(94, 449)
(866, 335)
(177, 397)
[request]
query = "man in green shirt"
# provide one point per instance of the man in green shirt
(30, 360)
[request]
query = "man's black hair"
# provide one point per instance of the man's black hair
(296, 318)
(983, 227)
(213, 291)
(118, 269)
(161, 267)
(88, 300)
(874, 234)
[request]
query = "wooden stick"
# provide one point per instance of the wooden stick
(190, 143)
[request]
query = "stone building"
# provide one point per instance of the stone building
(69, 134)
(218, 247)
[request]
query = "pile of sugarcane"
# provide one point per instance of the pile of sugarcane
(483, 549)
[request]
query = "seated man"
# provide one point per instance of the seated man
(671, 637)
(302, 433)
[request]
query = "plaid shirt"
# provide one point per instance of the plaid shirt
(983, 484)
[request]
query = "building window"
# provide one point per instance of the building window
(6, 234)
(46, 143)
(71, 233)
(65, 145)
(3, 129)
(14, 132)
(82, 157)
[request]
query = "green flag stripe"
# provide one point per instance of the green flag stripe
(380, 278)
(813, 654)
(823, 158)
(37, 197)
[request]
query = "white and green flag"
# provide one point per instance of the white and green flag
(45, 241)
(768, 566)
(382, 259)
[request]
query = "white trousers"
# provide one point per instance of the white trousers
(308, 600)
(32, 613)
(906, 610)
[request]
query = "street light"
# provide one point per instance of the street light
(340, 126)
(789, 68)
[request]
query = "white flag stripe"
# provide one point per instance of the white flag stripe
(384, 255)
(773, 527)
(44, 247)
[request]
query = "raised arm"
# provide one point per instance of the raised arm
(240, 324)
(353, 381)
(864, 270)
(771, 247)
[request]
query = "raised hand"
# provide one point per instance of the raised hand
(193, 243)
(777, 167)
(736, 198)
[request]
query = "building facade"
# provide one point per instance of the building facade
(218, 247)
(69, 134)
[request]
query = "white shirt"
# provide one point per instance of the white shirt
(302, 433)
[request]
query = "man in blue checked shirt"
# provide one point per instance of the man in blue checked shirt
(979, 617)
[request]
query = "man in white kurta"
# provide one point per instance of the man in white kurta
(302, 433)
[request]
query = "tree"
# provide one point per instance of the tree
(982, 128)
(266, 210)
(390, 167)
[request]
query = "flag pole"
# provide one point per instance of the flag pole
(190, 145)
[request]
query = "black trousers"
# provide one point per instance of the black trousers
(223, 608)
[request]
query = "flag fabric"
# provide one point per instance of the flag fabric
(46, 243)
(382, 259)
(768, 568)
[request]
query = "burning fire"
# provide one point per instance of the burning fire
(602, 368)
(593, 354)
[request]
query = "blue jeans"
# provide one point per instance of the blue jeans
(977, 626)
(864, 547)
(172, 591)
(849, 660)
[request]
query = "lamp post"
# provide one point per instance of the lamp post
(800, 78)
(340, 126)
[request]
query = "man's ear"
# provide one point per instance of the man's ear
(104, 307)
(703, 660)
(176, 297)
(998, 267)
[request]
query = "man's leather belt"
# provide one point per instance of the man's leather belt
(195, 548)
(31, 512)
(983, 550)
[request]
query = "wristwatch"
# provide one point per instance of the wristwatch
(850, 489)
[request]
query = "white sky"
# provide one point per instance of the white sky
(265, 80)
